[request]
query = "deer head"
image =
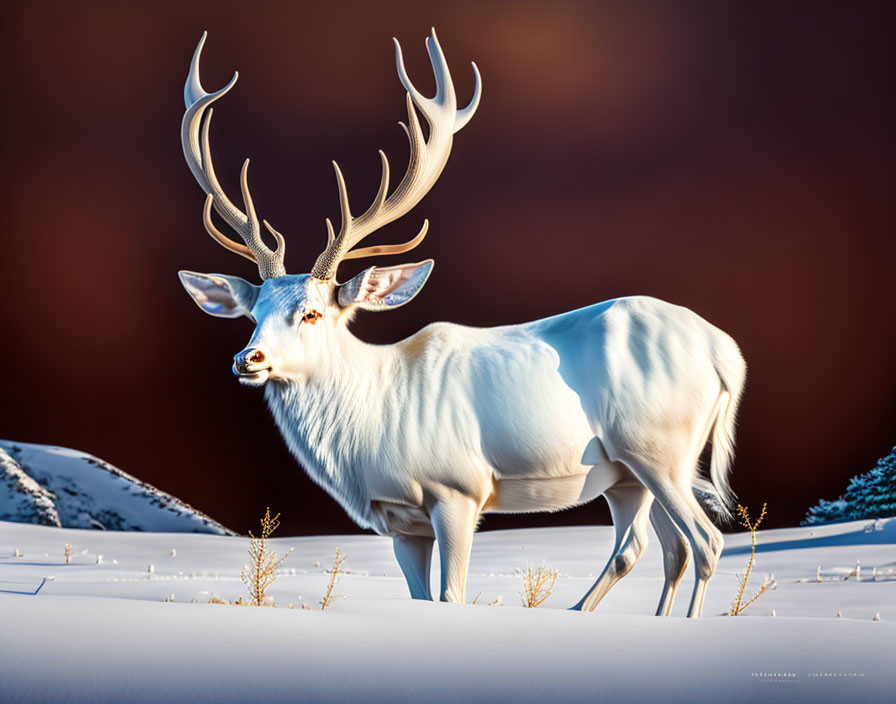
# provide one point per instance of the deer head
(296, 316)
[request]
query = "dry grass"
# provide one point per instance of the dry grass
(537, 585)
(738, 605)
(261, 573)
(264, 563)
(68, 553)
(334, 572)
(238, 602)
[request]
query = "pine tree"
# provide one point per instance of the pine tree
(826, 512)
(869, 495)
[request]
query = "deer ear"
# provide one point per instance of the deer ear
(383, 288)
(220, 295)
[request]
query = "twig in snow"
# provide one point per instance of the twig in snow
(738, 605)
(537, 585)
(260, 574)
(42, 583)
(334, 576)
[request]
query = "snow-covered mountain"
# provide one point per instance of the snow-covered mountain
(56, 486)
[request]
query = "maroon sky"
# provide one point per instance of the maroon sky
(736, 158)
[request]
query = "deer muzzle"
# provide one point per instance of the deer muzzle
(250, 362)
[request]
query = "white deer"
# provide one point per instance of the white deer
(417, 439)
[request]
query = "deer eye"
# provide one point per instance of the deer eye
(312, 316)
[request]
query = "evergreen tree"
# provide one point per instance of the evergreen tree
(869, 495)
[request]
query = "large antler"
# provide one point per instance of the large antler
(427, 159)
(194, 137)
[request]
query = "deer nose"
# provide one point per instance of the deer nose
(243, 360)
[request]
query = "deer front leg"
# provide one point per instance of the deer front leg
(414, 555)
(454, 522)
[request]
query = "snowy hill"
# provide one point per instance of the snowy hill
(101, 632)
(55, 486)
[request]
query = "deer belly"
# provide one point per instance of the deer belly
(389, 518)
(524, 495)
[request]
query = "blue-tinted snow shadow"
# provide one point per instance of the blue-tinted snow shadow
(887, 536)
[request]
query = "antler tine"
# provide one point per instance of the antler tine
(445, 95)
(384, 249)
(344, 207)
(464, 114)
(195, 142)
(281, 240)
(425, 164)
(219, 236)
(196, 100)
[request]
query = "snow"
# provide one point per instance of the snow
(57, 486)
(21, 498)
(103, 632)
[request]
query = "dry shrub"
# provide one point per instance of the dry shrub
(264, 563)
(336, 570)
(537, 585)
(238, 602)
(738, 605)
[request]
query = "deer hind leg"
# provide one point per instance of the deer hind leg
(454, 522)
(675, 556)
(673, 492)
(414, 555)
(630, 506)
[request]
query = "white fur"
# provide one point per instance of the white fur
(417, 439)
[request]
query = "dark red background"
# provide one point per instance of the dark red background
(736, 158)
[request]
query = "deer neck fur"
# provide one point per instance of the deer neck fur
(332, 417)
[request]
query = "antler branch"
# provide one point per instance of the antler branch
(194, 138)
(427, 160)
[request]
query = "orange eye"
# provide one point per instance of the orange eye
(312, 316)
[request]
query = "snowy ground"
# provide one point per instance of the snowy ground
(102, 632)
